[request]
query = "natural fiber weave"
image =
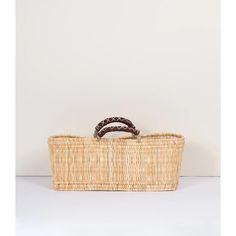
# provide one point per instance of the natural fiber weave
(149, 163)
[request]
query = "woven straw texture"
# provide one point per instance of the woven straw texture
(149, 163)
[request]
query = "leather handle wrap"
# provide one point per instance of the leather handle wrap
(117, 128)
(112, 120)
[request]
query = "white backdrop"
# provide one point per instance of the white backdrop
(155, 62)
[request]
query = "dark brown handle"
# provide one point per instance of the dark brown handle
(117, 128)
(112, 120)
(99, 132)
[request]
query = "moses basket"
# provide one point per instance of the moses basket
(134, 163)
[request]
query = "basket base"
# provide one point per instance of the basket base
(115, 187)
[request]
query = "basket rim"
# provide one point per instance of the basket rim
(167, 136)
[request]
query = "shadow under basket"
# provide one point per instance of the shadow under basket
(146, 163)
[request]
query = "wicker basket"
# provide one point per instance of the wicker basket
(137, 163)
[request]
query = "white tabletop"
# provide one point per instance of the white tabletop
(192, 210)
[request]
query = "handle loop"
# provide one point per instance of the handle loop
(112, 120)
(100, 131)
(105, 130)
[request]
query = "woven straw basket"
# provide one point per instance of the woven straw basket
(136, 163)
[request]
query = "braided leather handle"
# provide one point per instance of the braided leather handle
(117, 128)
(99, 132)
(112, 120)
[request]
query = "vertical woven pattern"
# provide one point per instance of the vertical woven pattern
(149, 164)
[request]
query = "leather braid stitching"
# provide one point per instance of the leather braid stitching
(114, 119)
(117, 128)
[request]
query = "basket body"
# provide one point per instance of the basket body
(151, 163)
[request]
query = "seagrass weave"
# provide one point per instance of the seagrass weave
(146, 163)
